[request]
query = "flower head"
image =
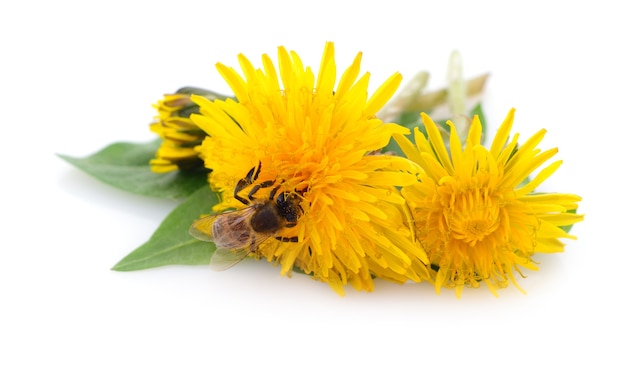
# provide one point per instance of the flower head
(313, 139)
(474, 208)
(179, 133)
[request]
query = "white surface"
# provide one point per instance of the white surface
(76, 77)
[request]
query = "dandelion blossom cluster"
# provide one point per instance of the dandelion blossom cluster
(316, 139)
(475, 210)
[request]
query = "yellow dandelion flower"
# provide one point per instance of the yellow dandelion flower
(291, 138)
(475, 212)
(179, 133)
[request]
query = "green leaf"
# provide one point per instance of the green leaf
(568, 228)
(171, 243)
(127, 166)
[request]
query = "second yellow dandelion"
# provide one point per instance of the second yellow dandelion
(475, 210)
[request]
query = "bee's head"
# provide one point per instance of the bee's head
(288, 206)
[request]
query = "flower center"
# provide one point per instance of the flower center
(472, 215)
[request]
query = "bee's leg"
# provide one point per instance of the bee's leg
(266, 184)
(252, 244)
(293, 239)
(273, 192)
(241, 185)
(256, 174)
(301, 193)
(251, 176)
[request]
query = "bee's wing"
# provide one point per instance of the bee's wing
(202, 229)
(224, 259)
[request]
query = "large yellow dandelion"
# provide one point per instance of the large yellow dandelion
(475, 210)
(311, 142)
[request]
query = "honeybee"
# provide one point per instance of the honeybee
(236, 234)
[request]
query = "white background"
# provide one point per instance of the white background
(75, 77)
